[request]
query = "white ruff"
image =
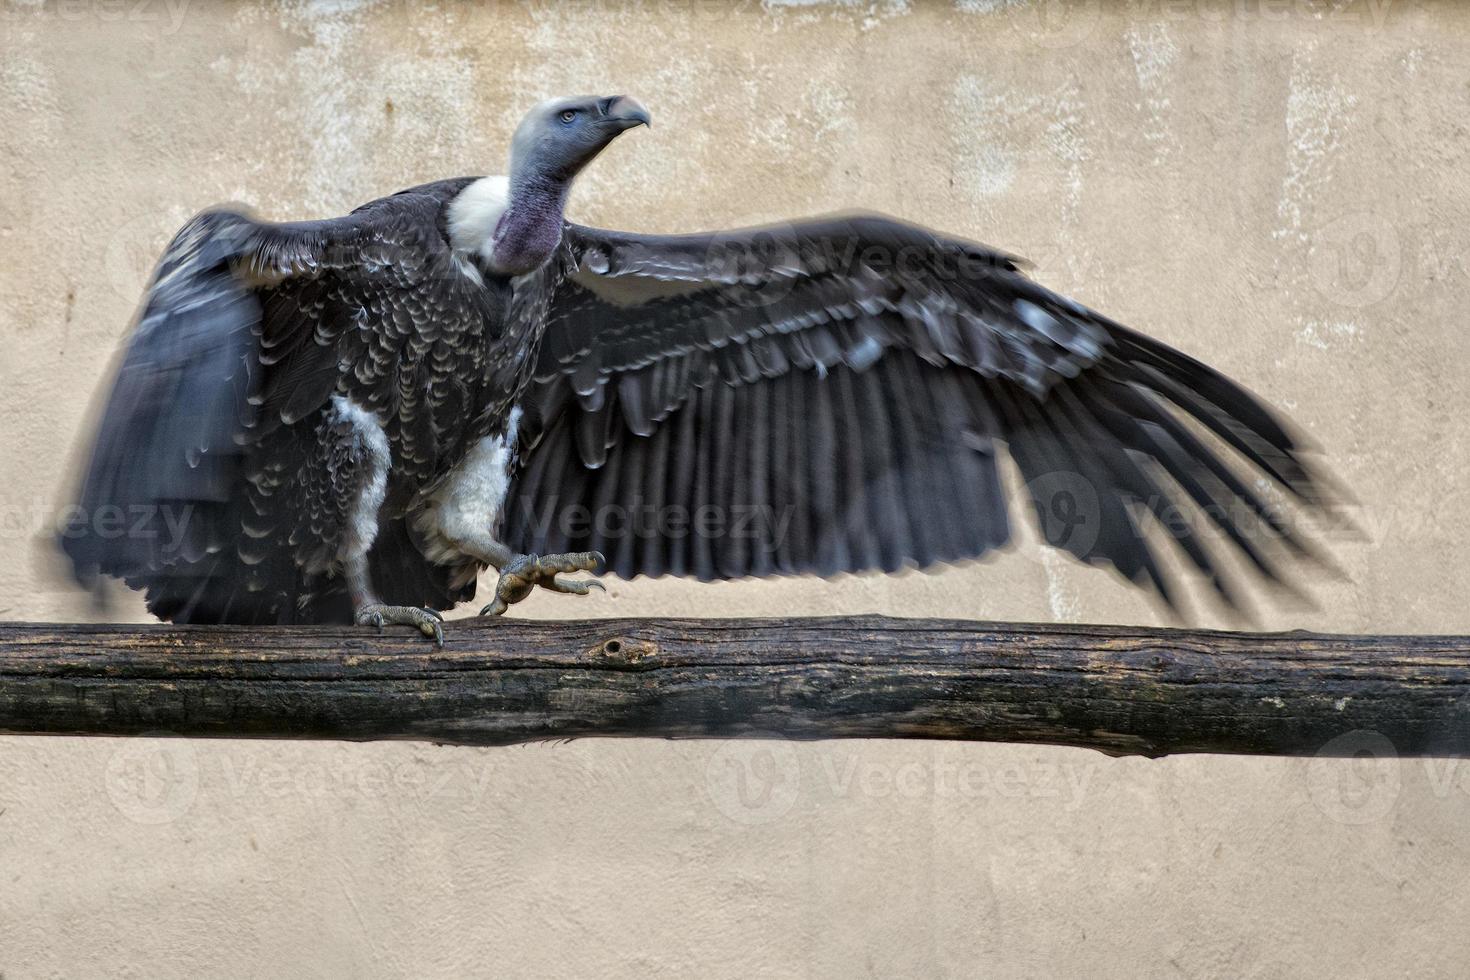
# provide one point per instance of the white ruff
(460, 519)
(475, 212)
(362, 519)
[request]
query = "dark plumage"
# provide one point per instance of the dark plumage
(222, 406)
(859, 377)
(354, 417)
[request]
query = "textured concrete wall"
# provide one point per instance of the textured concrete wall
(1278, 187)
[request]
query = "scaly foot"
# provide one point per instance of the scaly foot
(521, 575)
(427, 621)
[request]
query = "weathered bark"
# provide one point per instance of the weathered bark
(1123, 690)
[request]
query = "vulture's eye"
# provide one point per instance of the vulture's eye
(568, 115)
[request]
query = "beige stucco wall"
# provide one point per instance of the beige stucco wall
(1278, 187)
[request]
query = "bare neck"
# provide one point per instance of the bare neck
(530, 228)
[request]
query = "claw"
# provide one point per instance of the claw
(572, 586)
(520, 577)
(426, 621)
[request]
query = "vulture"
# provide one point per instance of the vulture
(348, 420)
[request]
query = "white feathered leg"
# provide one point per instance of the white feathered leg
(458, 521)
(370, 458)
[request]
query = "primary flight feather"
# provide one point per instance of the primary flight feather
(348, 420)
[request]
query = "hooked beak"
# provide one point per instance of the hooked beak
(625, 113)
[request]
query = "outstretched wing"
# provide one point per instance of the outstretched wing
(248, 328)
(834, 396)
(166, 441)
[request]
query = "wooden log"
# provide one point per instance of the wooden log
(1122, 690)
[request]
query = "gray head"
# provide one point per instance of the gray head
(561, 136)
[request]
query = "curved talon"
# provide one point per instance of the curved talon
(573, 586)
(426, 621)
(520, 577)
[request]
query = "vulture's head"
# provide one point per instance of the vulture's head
(561, 136)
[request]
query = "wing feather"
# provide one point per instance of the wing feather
(856, 379)
(247, 329)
